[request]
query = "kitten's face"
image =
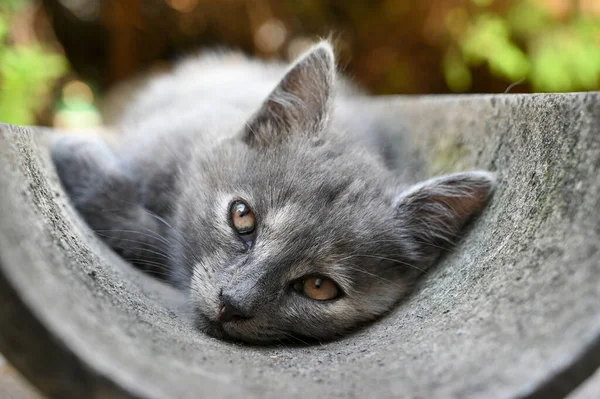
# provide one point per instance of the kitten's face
(293, 231)
(319, 214)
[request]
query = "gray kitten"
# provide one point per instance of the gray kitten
(255, 188)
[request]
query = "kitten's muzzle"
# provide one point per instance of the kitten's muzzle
(229, 312)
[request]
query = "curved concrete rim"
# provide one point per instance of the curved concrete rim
(512, 312)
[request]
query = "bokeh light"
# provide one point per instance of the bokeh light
(270, 36)
(60, 59)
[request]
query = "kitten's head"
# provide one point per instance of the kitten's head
(292, 230)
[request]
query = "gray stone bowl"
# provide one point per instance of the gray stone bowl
(512, 312)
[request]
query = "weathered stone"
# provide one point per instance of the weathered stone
(512, 312)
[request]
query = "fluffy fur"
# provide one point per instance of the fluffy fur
(326, 200)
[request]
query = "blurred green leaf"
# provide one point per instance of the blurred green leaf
(484, 37)
(488, 40)
(565, 60)
(528, 17)
(3, 28)
(27, 73)
(456, 72)
(528, 42)
(12, 4)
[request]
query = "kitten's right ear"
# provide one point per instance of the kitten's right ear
(300, 104)
(433, 213)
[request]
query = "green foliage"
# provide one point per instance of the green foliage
(3, 27)
(527, 18)
(568, 59)
(488, 39)
(456, 72)
(527, 43)
(27, 73)
(12, 4)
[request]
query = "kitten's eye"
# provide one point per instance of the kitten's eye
(318, 288)
(242, 217)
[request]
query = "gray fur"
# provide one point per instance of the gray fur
(327, 202)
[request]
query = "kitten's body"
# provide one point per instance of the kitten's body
(312, 168)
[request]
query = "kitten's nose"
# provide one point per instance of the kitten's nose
(229, 312)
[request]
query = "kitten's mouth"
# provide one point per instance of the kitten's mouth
(215, 328)
(210, 327)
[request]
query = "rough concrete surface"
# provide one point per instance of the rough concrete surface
(512, 312)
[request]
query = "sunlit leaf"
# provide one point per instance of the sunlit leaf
(12, 4)
(456, 73)
(488, 40)
(509, 62)
(484, 37)
(3, 28)
(565, 60)
(528, 17)
(27, 73)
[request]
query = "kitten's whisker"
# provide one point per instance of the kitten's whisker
(158, 265)
(160, 251)
(417, 241)
(115, 213)
(159, 237)
(147, 244)
(281, 342)
(382, 258)
(157, 270)
(161, 254)
(162, 220)
(99, 232)
(358, 269)
(291, 336)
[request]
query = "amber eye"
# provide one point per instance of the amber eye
(242, 217)
(318, 288)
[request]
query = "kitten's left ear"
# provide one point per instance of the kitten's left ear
(301, 102)
(433, 213)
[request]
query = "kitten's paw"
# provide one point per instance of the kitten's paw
(81, 161)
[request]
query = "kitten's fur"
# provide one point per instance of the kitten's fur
(326, 200)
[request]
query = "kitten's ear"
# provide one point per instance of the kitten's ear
(301, 102)
(433, 213)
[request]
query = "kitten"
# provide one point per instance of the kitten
(251, 186)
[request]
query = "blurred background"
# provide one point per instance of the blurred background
(59, 58)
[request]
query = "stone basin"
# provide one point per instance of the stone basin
(512, 312)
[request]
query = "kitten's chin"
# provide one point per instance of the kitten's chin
(211, 328)
(229, 333)
(217, 330)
